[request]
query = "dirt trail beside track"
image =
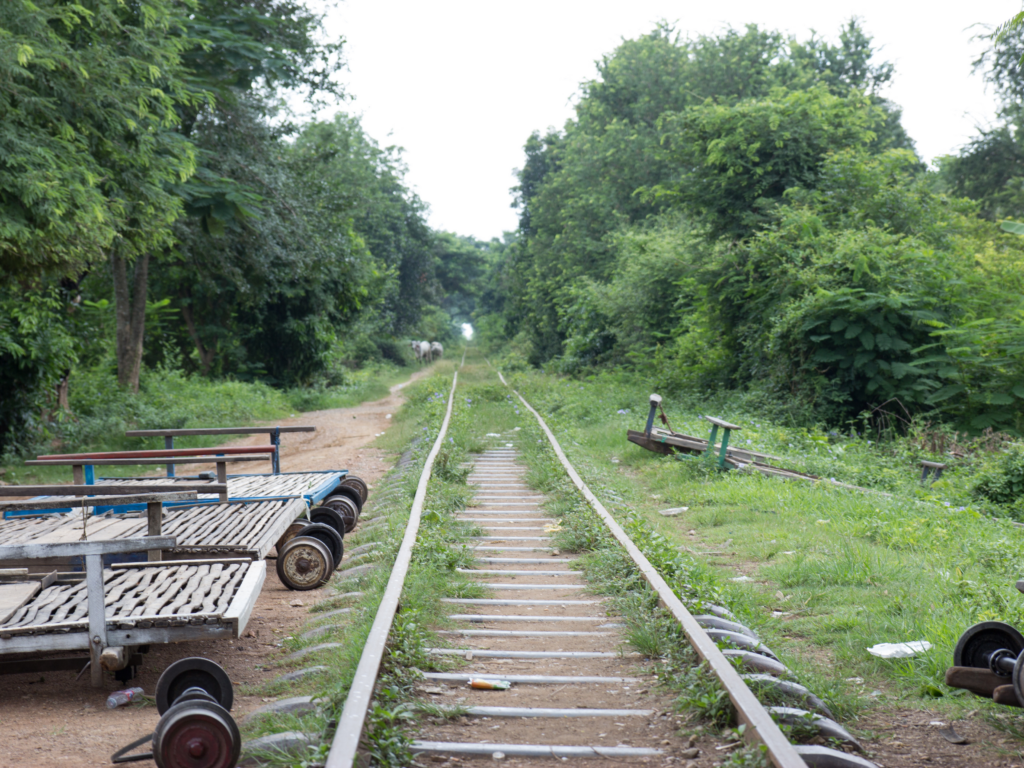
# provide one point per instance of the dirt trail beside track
(49, 720)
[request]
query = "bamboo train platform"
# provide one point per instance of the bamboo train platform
(150, 602)
(114, 611)
(201, 528)
(312, 487)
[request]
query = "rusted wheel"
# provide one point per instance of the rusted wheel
(328, 536)
(350, 492)
(290, 533)
(345, 507)
(196, 734)
(304, 563)
(359, 484)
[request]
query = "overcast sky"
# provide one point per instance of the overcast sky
(460, 85)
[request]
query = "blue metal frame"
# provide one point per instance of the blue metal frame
(312, 496)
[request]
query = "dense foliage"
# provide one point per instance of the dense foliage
(161, 210)
(745, 211)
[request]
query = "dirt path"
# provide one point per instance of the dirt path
(49, 720)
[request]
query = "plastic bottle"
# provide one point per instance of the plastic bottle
(120, 698)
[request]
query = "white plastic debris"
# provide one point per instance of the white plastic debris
(388, 416)
(899, 650)
(741, 578)
(508, 445)
(492, 434)
(674, 511)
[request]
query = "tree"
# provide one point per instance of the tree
(740, 160)
(652, 96)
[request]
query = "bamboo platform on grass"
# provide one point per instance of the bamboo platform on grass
(145, 603)
(239, 528)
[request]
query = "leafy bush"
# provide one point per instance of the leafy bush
(1003, 481)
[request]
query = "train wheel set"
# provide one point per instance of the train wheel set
(989, 661)
(308, 556)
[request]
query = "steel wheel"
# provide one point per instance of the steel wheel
(193, 672)
(978, 643)
(330, 537)
(345, 507)
(359, 484)
(304, 563)
(196, 734)
(328, 516)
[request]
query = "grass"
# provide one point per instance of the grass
(831, 571)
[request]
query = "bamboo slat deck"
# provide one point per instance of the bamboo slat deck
(150, 604)
(312, 486)
(245, 528)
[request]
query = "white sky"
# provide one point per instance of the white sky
(460, 85)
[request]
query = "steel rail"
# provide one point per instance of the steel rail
(760, 726)
(360, 695)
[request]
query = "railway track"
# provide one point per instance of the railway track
(575, 695)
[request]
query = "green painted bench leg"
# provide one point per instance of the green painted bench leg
(725, 448)
(711, 443)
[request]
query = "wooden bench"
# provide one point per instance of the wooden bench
(727, 429)
(84, 473)
(169, 434)
(933, 468)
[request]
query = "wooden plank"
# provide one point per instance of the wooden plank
(168, 453)
(108, 489)
(134, 462)
(244, 599)
(215, 431)
(209, 561)
(721, 423)
(14, 596)
(96, 501)
(85, 548)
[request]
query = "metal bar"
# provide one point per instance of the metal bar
(155, 516)
(169, 446)
(460, 677)
(215, 431)
(760, 726)
(96, 501)
(353, 715)
(655, 402)
(97, 616)
(275, 438)
(106, 489)
(528, 654)
(530, 750)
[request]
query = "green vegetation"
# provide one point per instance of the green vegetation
(745, 212)
(821, 572)
(164, 216)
